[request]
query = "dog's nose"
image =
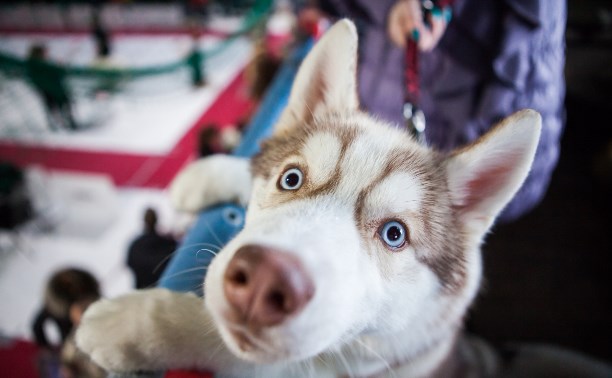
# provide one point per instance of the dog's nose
(266, 286)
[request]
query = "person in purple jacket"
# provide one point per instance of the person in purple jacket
(490, 60)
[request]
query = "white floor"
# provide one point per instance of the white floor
(85, 221)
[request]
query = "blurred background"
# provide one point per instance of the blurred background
(102, 102)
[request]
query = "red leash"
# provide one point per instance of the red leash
(413, 116)
(412, 72)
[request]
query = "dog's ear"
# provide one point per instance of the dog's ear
(484, 176)
(326, 80)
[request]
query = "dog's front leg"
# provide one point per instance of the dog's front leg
(153, 330)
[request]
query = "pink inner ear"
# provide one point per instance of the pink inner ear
(485, 185)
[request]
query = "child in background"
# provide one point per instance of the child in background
(68, 293)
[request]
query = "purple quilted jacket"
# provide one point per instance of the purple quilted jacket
(496, 57)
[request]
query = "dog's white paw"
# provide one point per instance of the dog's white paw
(143, 331)
(108, 333)
(211, 180)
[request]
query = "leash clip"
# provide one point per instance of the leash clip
(415, 121)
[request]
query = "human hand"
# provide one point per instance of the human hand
(406, 19)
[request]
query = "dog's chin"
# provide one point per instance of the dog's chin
(263, 348)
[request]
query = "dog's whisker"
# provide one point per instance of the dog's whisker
(197, 245)
(303, 370)
(202, 244)
(164, 260)
(342, 359)
(216, 350)
(377, 355)
(182, 272)
(310, 366)
(208, 328)
(213, 233)
(196, 288)
(310, 110)
(205, 250)
(322, 360)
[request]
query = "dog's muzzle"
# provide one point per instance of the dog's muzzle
(265, 287)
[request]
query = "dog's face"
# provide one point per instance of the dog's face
(355, 228)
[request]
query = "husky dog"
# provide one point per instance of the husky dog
(360, 252)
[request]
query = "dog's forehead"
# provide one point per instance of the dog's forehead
(361, 152)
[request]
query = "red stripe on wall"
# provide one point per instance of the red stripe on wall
(135, 170)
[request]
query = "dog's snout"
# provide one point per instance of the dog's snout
(265, 286)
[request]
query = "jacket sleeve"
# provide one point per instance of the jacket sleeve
(529, 71)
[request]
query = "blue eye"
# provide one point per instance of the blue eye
(291, 179)
(393, 233)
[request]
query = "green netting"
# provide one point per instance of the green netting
(38, 95)
(13, 65)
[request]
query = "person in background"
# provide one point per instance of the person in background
(478, 62)
(107, 83)
(100, 36)
(195, 60)
(209, 140)
(196, 14)
(260, 71)
(49, 80)
(149, 253)
(64, 288)
(67, 294)
(196, 11)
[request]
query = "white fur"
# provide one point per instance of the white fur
(403, 187)
(374, 308)
(211, 180)
(321, 153)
